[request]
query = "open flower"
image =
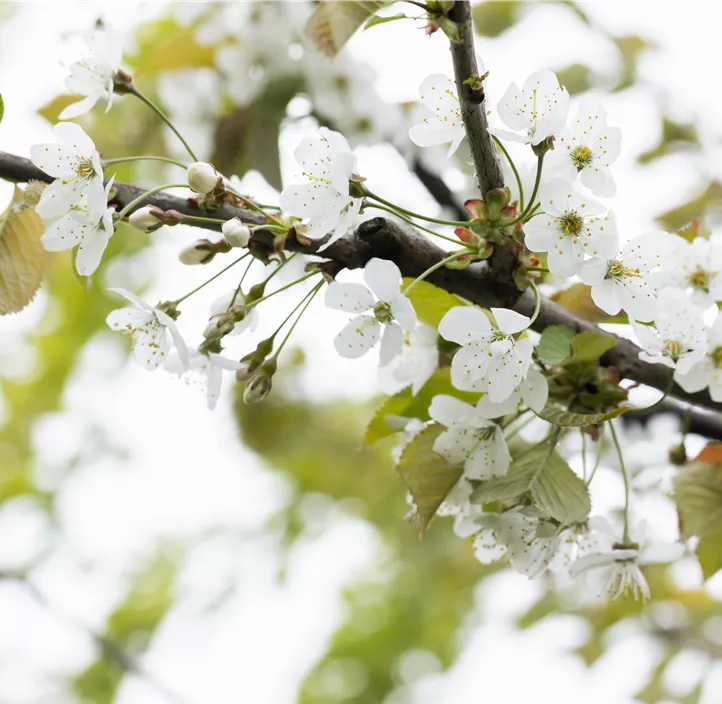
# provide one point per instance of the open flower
(471, 439)
(571, 227)
(149, 329)
(204, 370)
(381, 305)
(90, 227)
(77, 170)
(587, 147)
(324, 201)
(623, 282)
(444, 124)
(491, 359)
(535, 112)
(679, 336)
(533, 391)
(707, 373)
(697, 270)
(419, 358)
(92, 74)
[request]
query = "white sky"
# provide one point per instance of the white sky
(259, 646)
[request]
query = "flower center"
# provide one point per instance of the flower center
(84, 168)
(617, 271)
(581, 157)
(699, 279)
(571, 223)
(673, 349)
(382, 312)
(717, 357)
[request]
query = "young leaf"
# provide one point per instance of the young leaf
(566, 419)
(428, 477)
(555, 345)
(588, 346)
(334, 22)
(383, 20)
(430, 302)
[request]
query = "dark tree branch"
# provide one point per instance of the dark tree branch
(414, 254)
(473, 103)
(698, 421)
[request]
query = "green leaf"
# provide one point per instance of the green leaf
(555, 345)
(493, 17)
(2, 107)
(577, 78)
(678, 217)
(334, 22)
(383, 20)
(406, 405)
(428, 477)
(577, 299)
(675, 135)
(566, 419)
(555, 488)
(430, 302)
(589, 346)
(630, 48)
(709, 553)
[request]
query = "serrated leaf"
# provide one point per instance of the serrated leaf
(406, 405)
(334, 22)
(589, 346)
(555, 488)
(555, 345)
(430, 302)
(427, 476)
(383, 20)
(566, 419)
(577, 299)
(22, 257)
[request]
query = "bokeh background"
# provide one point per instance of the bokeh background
(154, 552)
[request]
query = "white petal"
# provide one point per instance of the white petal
(348, 297)
(391, 343)
(464, 324)
(90, 252)
(661, 552)
(135, 300)
(403, 310)
(447, 410)
(535, 390)
(606, 295)
(509, 321)
(81, 107)
(127, 319)
(358, 336)
(383, 278)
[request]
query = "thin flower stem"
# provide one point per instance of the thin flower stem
(537, 304)
(584, 453)
(213, 278)
(254, 206)
(279, 267)
(134, 91)
(240, 283)
(515, 431)
(438, 265)
(625, 477)
(124, 159)
(597, 460)
(530, 205)
(410, 213)
(411, 222)
(310, 296)
(130, 206)
(283, 288)
(513, 168)
(658, 402)
(199, 218)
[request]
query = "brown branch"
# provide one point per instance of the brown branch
(473, 103)
(413, 253)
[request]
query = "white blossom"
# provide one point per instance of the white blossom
(444, 124)
(491, 359)
(92, 74)
(533, 391)
(236, 233)
(697, 269)
(89, 226)
(379, 305)
(323, 200)
(587, 147)
(679, 336)
(470, 439)
(707, 373)
(419, 358)
(202, 177)
(623, 282)
(570, 227)
(77, 169)
(535, 112)
(204, 370)
(149, 329)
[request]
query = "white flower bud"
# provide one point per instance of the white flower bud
(202, 177)
(144, 220)
(197, 253)
(236, 233)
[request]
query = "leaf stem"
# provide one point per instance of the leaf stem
(597, 461)
(537, 303)
(137, 201)
(240, 283)
(308, 298)
(501, 146)
(438, 265)
(124, 159)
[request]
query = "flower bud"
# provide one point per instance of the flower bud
(203, 251)
(202, 177)
(258, 387)
(236, 233)
(144, 219)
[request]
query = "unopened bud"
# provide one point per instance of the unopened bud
(202, 177)
(145, 219)
(258, 386)
(236, 233)
(678, 455)
(203, 251)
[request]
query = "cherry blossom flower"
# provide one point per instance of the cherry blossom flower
(535, 112)
(89, 226)
(587, 147)
(470, 439)
(491, 359)
(679, 336)
(380, 304)
(92, 74)
(204, 370)
(571, 227)
(623, 282)
(148, 328)
(77, 170)
(618, 565)
(419, 358)
(697, 270)
(444, 124)
(533, 391)
(706, 373)
(324, 200)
